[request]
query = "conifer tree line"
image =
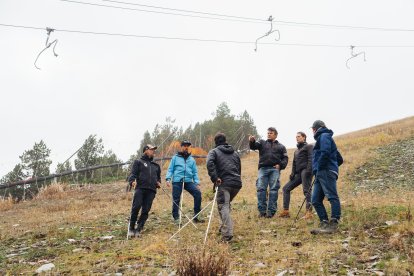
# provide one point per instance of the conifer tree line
(236, 127)
(36, 161)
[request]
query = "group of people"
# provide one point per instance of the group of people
(319, 161)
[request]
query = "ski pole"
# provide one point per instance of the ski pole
(211, 214)
(189, 222)
(178, 207)
(307, 194)
(132, 203)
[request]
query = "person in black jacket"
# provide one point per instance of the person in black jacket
(301, 174)
(147, 176)
(272, 159)
(224, 169)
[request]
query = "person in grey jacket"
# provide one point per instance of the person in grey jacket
(224, 169)
(301, 174)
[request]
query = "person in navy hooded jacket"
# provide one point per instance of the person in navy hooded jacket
(325, 163)
(182, 172)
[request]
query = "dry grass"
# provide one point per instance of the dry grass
(6, 203)
(261, 246)
(196, 262)
(356, 147)
(52, 191)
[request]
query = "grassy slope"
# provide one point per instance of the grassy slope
(37, 231)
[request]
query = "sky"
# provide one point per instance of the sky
(119, 87)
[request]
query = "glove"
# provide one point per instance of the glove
(216, 184)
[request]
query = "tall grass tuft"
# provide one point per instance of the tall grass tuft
(195, 262)
(6, 203)
(52, 191)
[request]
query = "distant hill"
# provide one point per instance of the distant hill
(82, 229)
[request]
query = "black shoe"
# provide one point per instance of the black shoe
(197, 220)
(139, 229)
(262, 215)
(132, 233)
(269, 215)
(226, 238)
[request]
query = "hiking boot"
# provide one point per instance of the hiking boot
(226, 238)
(326, 227)
(198, 220)
(140, 228)
(268, 215)
(334, 225)
(262, 215)
(131, 233)
(308, 215)
(323, 226)
(284, 214)
(176, 221)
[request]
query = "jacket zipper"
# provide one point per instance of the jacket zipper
(150, 173)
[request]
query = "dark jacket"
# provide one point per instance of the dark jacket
(224, 163)
(302, 159)
(271, 153)
(325, 153)
(146, 172)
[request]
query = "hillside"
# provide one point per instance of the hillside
(82, 230)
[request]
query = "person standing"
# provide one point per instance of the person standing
(183, 173)
(146, 174)
(325, 167)
(273, 158)
(301, 174)
(224, 169)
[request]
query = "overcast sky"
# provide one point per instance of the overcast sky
(118, 87)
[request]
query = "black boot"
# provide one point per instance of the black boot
(131, 229)
(323, 226)
(139, 230)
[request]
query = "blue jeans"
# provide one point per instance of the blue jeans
(176, 193)
(268, 176)
(325, 185)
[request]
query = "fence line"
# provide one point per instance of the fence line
(91, 168)
(71, 172)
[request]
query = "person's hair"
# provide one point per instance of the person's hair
(220, 138)
(272, 129)
(302, 134)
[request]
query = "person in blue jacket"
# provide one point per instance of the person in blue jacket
(325, 163)
(182, 172)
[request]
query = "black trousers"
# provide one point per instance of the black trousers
(142, 200)
(301, 178)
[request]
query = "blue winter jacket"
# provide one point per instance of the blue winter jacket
(180, 164)
(325, 153)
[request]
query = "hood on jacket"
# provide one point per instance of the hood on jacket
(226, 148)
(321, 131)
